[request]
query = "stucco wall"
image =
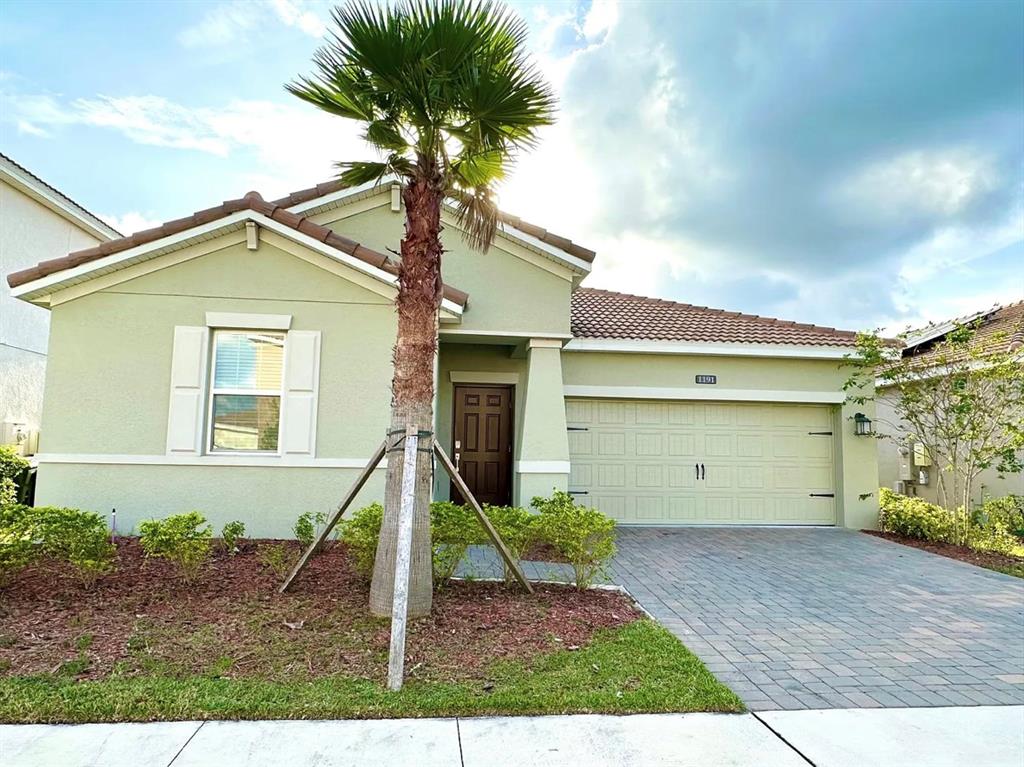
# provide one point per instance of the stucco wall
(29, 233)
(108, 386)
(506, 293)
(988, 484)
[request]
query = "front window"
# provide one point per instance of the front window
(245, 398)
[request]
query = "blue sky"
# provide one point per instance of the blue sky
(854, 164)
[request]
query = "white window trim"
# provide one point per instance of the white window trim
(214, 390)
(248, 321)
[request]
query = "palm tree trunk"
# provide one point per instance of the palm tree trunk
(412, 391)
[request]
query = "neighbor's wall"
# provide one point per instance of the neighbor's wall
(506, 292)
(108, 386)
(856, 459)
(29, 233)
(988, 484)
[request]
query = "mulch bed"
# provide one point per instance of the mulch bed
(141, 619)
(988, 559)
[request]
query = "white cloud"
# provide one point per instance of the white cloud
(935, 183)
(131, 222)
(232, 22)
(293, 145)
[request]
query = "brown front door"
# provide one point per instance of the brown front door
(483, 442)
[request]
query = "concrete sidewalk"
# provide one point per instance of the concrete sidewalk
(992, 736)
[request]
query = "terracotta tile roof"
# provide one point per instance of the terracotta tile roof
(1000, 329)
(607, 314)
(562, 243)
(251, 201)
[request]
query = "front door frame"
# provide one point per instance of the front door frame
(453, 493)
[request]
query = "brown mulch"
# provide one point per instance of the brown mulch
(988, 559)
(143, 619)
(544, 552)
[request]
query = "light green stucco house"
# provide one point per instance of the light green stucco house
(238, 361)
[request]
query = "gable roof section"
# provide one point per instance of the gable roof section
(1000, 329)
(513, 224)
(605, 314)
(250, 202)
(28, 183)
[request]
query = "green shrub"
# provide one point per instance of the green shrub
(185, 539)
(280, 558)
(453, 529)
(516, 527)
(306, 527)
(231, 534)
(1008, 512)
(13, 471)
(8, 492)
(17, 548)
(584, 536)
(77, 537)
(360, 534)
(914, 517)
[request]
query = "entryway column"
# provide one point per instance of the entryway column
(542, 457)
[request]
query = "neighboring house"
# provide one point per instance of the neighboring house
(238, 361)
(899, 465)
(37, 223)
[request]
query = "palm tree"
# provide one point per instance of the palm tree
(447, 95)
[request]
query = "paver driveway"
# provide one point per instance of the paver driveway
(828, 618)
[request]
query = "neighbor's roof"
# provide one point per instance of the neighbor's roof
(607, 314)
(29, 183)
(251, 201)
(555, 240)
(999, 329)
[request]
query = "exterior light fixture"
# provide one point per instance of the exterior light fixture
(862, 425)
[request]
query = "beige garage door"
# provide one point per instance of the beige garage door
(713, 463)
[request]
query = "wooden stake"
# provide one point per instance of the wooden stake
(403, 557)
(499, 544)
(336, 517)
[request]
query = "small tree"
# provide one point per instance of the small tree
(964, 402)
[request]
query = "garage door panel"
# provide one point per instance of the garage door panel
(638, 461)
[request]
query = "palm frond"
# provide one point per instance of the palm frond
(477, 214)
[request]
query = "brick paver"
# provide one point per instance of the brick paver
(828, 618)
(799, 618)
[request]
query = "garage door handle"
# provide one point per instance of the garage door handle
(579, 492)
(702, 474)
(822, 495)
(696, 471)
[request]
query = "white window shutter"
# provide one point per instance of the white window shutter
(188, 386)
(301, 382)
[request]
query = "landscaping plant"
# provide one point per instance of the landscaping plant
(583, 535)
(517, 529)
(80, 538)
(306, 527)
(360, 534)
(231, 534)
(13, 470)
(446, 94)
(965, 405)
(17, 549)
(279, 558)
(453, 529)
(184, 539)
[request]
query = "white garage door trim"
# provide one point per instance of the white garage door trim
(690, 462)
(706, 394)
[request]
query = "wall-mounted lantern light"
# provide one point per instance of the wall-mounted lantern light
(862, 425)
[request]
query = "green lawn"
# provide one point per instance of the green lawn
(639, 667)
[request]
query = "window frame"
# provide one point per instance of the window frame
(213, 390)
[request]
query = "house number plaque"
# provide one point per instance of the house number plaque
(706, 379)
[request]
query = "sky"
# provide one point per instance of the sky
(852, 164)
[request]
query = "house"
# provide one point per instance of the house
(238, 361)
(37, 223)
(909, 470)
